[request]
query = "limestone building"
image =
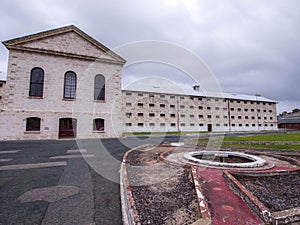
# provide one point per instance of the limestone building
(156, 110)
(62, 83)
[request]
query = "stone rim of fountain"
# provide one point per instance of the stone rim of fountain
(256, 161)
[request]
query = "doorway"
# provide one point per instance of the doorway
(209, 127)
(67, 128)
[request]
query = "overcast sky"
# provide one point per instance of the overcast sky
(252, 46)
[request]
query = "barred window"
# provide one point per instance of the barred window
(36, 82)
(99, 88)
(98, 124)
(70, 85)
(33, 124)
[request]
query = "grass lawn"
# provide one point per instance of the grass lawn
(162, 133)
(289, 138)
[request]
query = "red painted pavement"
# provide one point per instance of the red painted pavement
(225, 206)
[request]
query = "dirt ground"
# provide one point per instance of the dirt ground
(163, 194)
(279, 192)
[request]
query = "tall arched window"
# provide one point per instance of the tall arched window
(70, 85)
(36, 82)
(99, 89)
(33, 124)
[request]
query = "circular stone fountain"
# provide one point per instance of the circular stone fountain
(224, 159)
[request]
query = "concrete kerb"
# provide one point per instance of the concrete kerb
(129, 212)
(202, 203)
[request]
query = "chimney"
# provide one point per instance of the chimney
(196, 87)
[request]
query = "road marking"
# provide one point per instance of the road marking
(71, 156)
(9, 152)
(32, 166)
(5, 160)
(76, 151)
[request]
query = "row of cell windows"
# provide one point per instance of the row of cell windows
(193, 124)
(36, 87)
(199, 116)
(151, 105)
(151, 95)
(34, 124)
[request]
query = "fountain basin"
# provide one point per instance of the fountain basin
(224, 159)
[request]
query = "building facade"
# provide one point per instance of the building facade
(64, 84)
(165, 112)
(60, 83)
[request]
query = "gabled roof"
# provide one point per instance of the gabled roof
(163, 86)
(20, 43)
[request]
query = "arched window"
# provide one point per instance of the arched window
(99, 89)
(98, 124)
(33, 124)
(70, 85)
(36, 82)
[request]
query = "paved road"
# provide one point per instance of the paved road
(49, 182)
(30, 166)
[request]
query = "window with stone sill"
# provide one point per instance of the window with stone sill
(33, 124)
(98, 124)
(36, 82)
(99, 88)
(70, 84)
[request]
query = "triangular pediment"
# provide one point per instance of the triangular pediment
(66, 40)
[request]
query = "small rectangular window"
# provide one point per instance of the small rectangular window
(162, 96)
(182, 106)
(182, 115)
(140, 124)
(201, 124)
(217, 108)
(151, 124)
(140, 94)
(128, 124)
(208, 108)
(140, 104)
(151, 105)
(172, 115)
(162, 124)
(128, 114)
(191, 107)
(200, 116)
(140, 114)
(172, 106)
(192, 124)
(128, 93)
(192, 116)
(182, 124)
(33, 124)
(151, 114)
(151, 95)
(181, 97)
(128, 104)
(173, 124)
(172, 96)
(208, 116)
(200, 107)
(98, 125)
(162, 105)
(162, 115)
